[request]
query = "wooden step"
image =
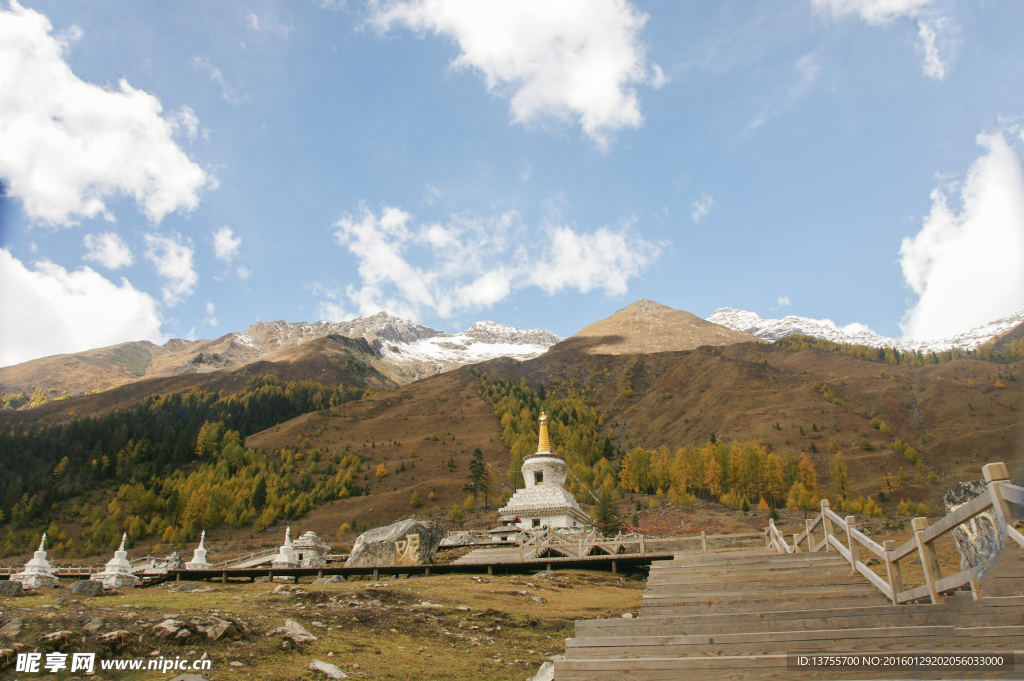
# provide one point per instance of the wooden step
(745, 605)
(772, 667)
(796, 620)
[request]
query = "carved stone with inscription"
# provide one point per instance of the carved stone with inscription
(406, 542)
(977, 540)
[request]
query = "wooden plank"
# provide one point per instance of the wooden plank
(831, 515)
(838, 546)
(978, 504)
(958, 580)
(875, 579)
(865, 541)
(929, 559)
(830, 635)
(1012, 493)
(892, 569)
(914, 594)
(905, 549)
(1012, 533)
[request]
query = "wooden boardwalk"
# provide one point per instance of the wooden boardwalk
(764, 613)
(742, 614)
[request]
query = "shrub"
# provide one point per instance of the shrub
(344, 529)
(875, 423)
(470, 504)
(455, 514)
(414, 500)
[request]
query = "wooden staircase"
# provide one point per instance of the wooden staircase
(739, 614)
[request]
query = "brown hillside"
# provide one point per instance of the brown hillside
(329, 360)
(647, 326)
(385, 429)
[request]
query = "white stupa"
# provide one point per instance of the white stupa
(544, 502)
(198, 561)
(285, 558)
(38, 572)
(118, 572)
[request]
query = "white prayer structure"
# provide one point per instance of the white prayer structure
(198, 561)
(285, 558)
(310, 550)
(544, 502)
(118, 572)
(38, 572)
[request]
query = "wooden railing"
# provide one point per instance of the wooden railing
(996, 501)
(579, 545)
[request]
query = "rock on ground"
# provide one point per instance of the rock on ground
(184, 586)
(86, 587)
(333, 579)
(216, 629)
(294, 632)
(11, 589)
(391, 545)
(545, 673)
(329, 670)
(172, 629)
(93, 625)
(12, 628)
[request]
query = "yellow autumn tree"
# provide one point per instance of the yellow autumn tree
(382, 471)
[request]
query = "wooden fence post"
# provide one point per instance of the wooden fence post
(995, 475)
(704, 541)
(810, 540)
(826, 524)
(892, 569)
(929, 561)
(852, 544)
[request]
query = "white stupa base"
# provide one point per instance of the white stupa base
(116, 580)
(35, 580)
(198, 566)
(284, 564)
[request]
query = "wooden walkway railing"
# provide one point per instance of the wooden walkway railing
(995, 501)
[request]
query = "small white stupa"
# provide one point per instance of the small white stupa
(544, 502)
(285, 558)
(38, 572)
(198, 561)
(118, 572)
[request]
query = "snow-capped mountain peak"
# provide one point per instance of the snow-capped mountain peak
(859, 334)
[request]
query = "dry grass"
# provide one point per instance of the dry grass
(501, 633)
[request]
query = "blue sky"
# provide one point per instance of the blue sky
(540, 164)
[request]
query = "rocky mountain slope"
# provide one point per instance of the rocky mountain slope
(647, 326)
(409, 352)
(774, 329)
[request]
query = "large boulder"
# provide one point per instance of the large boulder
(406, 542)
(214, 629)
(86, 587)
(977, 540)
(11, 588)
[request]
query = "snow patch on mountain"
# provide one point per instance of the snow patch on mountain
(774, 329)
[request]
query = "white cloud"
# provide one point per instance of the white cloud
(933, 66)
(68, 145)
(230, 93)
(783, 301)
(210, 319)
(186, 118)
(474, 263)
(967, 266)
(874, 12)
(225, 244)
(601, 260)
(173, 261)
(108, 249)
(48, 311)
(577, 61)
(702, 207)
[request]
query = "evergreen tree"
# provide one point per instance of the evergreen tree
(606, 516)
(259, 494)
(478, 483)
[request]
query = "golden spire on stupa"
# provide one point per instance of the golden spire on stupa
(543, 446)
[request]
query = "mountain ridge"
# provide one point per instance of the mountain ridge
(858, 334)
